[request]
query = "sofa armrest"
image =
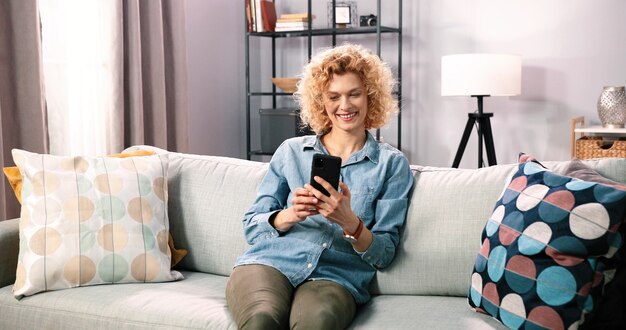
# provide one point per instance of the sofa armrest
(9, 250)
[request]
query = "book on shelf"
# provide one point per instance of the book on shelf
(298, 19)
(297, 15)
(249, 16)
(261, 17)
(268, 12)
(292, 24)
(258, 16)
(285, 29)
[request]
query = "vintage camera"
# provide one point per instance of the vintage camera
(368, 20)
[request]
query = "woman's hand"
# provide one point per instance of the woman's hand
(335, 207)
(303, 205)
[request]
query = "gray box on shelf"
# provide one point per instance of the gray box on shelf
(277, 125)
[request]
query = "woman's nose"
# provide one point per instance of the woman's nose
(345, 103)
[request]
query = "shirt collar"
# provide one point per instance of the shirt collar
(370, 150)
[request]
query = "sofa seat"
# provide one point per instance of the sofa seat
(427, 312)
(198, 302)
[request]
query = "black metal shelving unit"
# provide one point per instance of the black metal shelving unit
(309, 33)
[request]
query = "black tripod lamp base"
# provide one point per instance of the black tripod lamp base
(483, 125)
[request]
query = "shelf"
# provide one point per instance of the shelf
(600, 130)
(578, 128)
(262, 93)
(326, 32)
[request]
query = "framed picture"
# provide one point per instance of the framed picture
(345, 14)
(342, 14)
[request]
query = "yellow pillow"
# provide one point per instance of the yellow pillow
(15, 180)
(14, 177)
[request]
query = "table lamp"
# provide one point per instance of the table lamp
(479, 76)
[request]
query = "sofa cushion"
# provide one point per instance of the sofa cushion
(579, 170)
(420, 312)
(446, 214)
(198, 303)
(610, 168)
(208, 198)
(91, 220)
(540, 262)
(195, 303)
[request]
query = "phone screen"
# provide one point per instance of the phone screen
(327, 167)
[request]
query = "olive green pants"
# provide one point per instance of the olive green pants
(261, 297)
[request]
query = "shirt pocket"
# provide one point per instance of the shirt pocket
(361, 201)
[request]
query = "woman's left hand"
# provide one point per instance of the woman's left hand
(335, 207)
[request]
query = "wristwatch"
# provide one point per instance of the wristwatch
(354, 237)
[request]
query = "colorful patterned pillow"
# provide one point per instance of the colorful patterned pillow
(14, 177)
(88, 221)
(610, 311)
(541, 263)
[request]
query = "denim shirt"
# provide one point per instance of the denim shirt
(379, 179)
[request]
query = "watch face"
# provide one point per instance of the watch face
(350, 239)
(342, 14)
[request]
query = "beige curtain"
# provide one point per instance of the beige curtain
(154, 86)
(22, 106)
(155, 74)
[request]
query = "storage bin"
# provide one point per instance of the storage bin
(277, 125)
(596, 147)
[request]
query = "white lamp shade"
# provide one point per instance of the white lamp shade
(481, 74)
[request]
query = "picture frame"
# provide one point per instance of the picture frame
(344, 12)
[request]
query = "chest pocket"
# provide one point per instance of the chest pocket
(362, 198)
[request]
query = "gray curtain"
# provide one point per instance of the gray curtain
(155, 74)
(22, 105)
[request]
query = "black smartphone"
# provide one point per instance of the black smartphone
(327, 167)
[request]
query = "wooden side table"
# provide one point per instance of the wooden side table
(579, 130)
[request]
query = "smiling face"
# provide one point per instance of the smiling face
(345, 102)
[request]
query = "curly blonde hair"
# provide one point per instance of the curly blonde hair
(375, 75)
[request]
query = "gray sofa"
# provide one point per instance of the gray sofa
(425, 287)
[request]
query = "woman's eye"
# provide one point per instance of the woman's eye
(334, 98)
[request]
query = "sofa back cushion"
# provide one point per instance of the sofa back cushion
(447, 212)
(208, 197)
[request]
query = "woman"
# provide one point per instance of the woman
(313, 256)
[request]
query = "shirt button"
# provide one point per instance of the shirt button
(325, 245)
(369, 257)
(309, 265)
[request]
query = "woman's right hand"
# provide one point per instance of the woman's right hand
(303, 205)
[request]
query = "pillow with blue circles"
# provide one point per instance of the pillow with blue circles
(547, 249)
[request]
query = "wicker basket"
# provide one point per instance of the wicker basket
(595, 147)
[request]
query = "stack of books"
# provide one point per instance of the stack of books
(293, 22)
(261, 15)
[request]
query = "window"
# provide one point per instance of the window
(81, 54)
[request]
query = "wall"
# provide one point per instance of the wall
(570, 49)
(216, 77)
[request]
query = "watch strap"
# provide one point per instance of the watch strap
(357, 233)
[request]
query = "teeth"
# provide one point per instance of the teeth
(350, 115)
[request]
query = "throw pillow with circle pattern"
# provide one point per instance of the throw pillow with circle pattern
(91, 220)
(14, 177)
(610, 311)
(544, 249)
